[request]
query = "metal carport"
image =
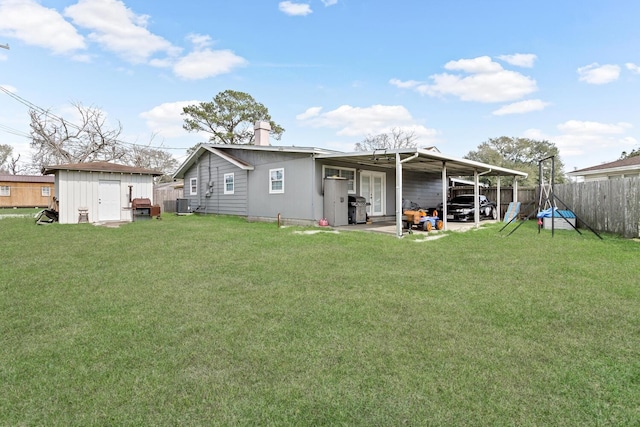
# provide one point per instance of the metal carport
(430, 161)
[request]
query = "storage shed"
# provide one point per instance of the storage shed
(99, 191)
(25, 191)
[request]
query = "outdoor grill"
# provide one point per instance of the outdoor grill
(143, 209)
(357, 210)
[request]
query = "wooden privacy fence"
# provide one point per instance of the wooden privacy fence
(610, 206)
(166, 198)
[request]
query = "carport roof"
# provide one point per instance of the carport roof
(424, 161)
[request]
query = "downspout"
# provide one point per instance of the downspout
(399, 191)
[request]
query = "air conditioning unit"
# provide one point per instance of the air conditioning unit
(182, 206)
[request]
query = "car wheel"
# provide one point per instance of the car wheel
(439, 225)
(428, 226)
(494, 214)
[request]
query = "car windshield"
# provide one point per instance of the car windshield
(462, 199)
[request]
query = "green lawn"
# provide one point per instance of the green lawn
(215, 321)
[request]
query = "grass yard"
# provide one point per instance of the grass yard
(215, 321)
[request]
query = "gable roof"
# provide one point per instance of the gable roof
(26, 178)
(100, 167)
(630, 163)
(220, 151)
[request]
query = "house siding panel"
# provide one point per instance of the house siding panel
(427, 193)
(26, 195)
(210, 169)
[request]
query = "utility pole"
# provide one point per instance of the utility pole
(5, 46)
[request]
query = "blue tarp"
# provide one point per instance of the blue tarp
(547, 213)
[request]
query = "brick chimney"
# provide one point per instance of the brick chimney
(262, 129)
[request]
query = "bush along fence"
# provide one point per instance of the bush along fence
(611, 206)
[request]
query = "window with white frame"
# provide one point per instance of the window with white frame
(347, 173)
(229, 183)
(45, 191)
(193, 186)
(5, 190)
(276, 181)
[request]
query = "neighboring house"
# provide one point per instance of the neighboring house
(625, 168)
(25, 191)
(104, 190)
(264, 182)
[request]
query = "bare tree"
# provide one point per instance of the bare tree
(152, 158)
(396, 138)
(57, 140)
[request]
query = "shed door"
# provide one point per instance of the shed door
(109, 201)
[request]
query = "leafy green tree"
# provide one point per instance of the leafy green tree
(229, 118)
(521, 154)
(397, 138)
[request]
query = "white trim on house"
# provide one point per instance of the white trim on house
(351, 180)
(229, 183)
(275, 179)
(193, 186)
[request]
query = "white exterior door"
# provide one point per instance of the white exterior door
(372, 188)
(109, 201)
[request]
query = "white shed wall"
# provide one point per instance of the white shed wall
(75, 189)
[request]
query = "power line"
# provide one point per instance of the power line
(47, 113)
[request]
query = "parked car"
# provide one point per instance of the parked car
(461, 208)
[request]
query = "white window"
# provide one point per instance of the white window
(5, 190)
(346, 173)
(193, 186)
(228, 183)
(276, 181)
(45, 191)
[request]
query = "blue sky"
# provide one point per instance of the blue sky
(333, 72)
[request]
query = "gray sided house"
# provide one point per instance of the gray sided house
(264, 182)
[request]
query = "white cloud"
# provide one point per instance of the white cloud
(207, 63)
(589, 127)
(599, 74)
(404, 84)
(361, 122)
(329, 2)
(521, 107)
(166, 119)
(118, 29)
(488, 82)
(519, 59)
(479, 65)
(294, 9)
(36, 25)
(596, 141)
(633, 67)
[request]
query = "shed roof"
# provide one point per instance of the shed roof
(100, 167)
(26, 178)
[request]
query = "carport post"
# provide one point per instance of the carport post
(445, 191)
(399, 190)
(498, 197)
(476, 198)
(398, 196)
